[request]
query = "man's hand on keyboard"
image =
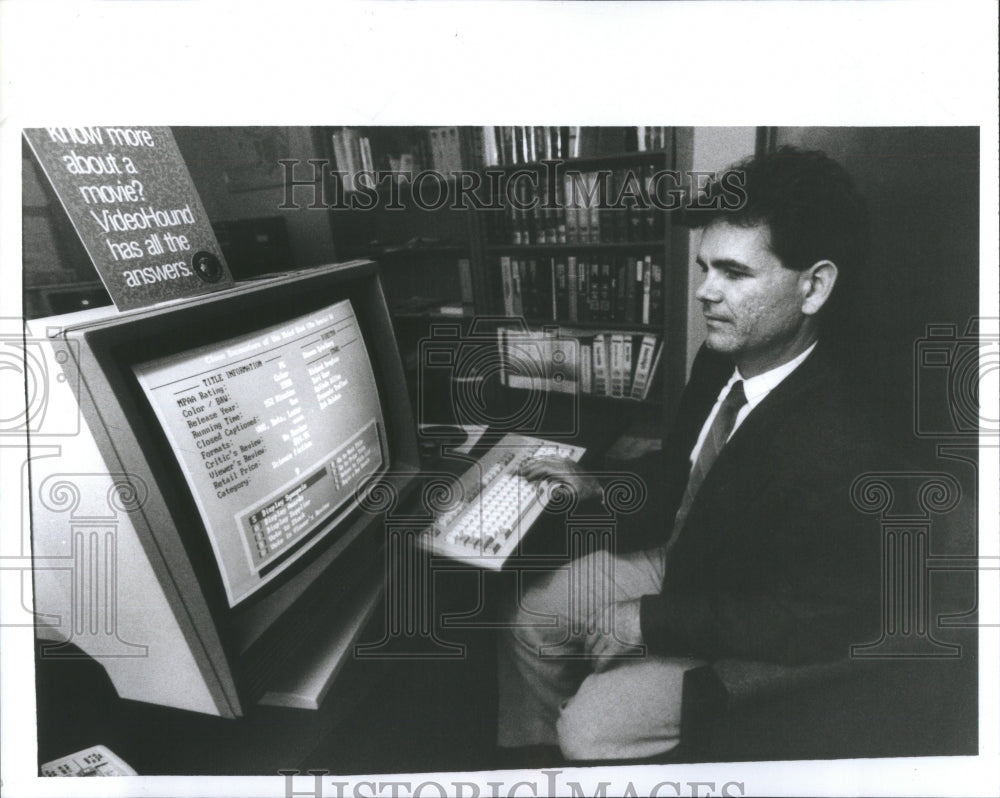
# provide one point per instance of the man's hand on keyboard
(562, 470)
(615, 633)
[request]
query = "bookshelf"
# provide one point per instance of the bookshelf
(563, 253)
(586, 255)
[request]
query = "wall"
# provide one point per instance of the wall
(922, 188)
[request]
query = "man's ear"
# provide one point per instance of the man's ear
(816, 284)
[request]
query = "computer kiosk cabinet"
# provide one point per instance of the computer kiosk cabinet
(204, 483)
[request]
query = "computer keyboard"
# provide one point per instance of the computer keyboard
(499, 505)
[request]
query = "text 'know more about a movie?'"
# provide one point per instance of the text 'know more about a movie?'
(130, 197)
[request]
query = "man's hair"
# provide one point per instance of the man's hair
(808, 202)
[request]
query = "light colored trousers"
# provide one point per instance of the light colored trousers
(549, 691)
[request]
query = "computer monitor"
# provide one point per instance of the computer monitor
(274, 430)
(241, 431)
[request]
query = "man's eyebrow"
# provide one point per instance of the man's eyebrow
(723, 263)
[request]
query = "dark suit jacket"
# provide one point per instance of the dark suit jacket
(774, 562)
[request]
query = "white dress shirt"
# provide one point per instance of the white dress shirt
(755, 388)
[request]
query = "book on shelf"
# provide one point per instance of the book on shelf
(636, 205)
(547, 203)
(626, 364)
(536, 142)
(353, 154)
(553, 305)
(505, 145)
(602, 377)
(604, 292)
(633, 289)
(594, 205)
(570, 213)
(446, 149)
(582, 312)
(538, 234)
(650, 138)
(655, 292)
(573, 142)
(546, 307)
(651, 379)
(643, 367)
(608, 216)
(621, 289)
(561, 305)
(512, 276)
(616, 349)
(572, 290)
(593, 289)
(507, 284)
(522, 145)
(560, 212)
(654, 222)
(577, 216)
(534, 287)
(491, 146)
(629, 203)
(647, 276)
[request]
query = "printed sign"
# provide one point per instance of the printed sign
(129, 195)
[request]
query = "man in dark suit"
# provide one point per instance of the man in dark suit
(753, 548)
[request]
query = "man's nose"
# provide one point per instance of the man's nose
(708, 290)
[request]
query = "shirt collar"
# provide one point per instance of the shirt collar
(756, 388)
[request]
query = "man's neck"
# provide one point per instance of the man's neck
(752, 366)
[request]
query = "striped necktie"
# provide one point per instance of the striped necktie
(718, 434)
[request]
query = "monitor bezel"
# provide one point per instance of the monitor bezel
(131, 440)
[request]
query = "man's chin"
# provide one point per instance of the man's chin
(719, 343)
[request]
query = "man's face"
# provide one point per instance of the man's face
(752, 303)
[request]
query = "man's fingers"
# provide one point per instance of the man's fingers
(543, 468)
(532, 468)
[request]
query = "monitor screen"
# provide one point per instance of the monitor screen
(273, 431)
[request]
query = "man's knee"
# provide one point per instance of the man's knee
(628, 712)
(584, 736)
(580, 734)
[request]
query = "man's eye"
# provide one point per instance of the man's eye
(733, 274)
